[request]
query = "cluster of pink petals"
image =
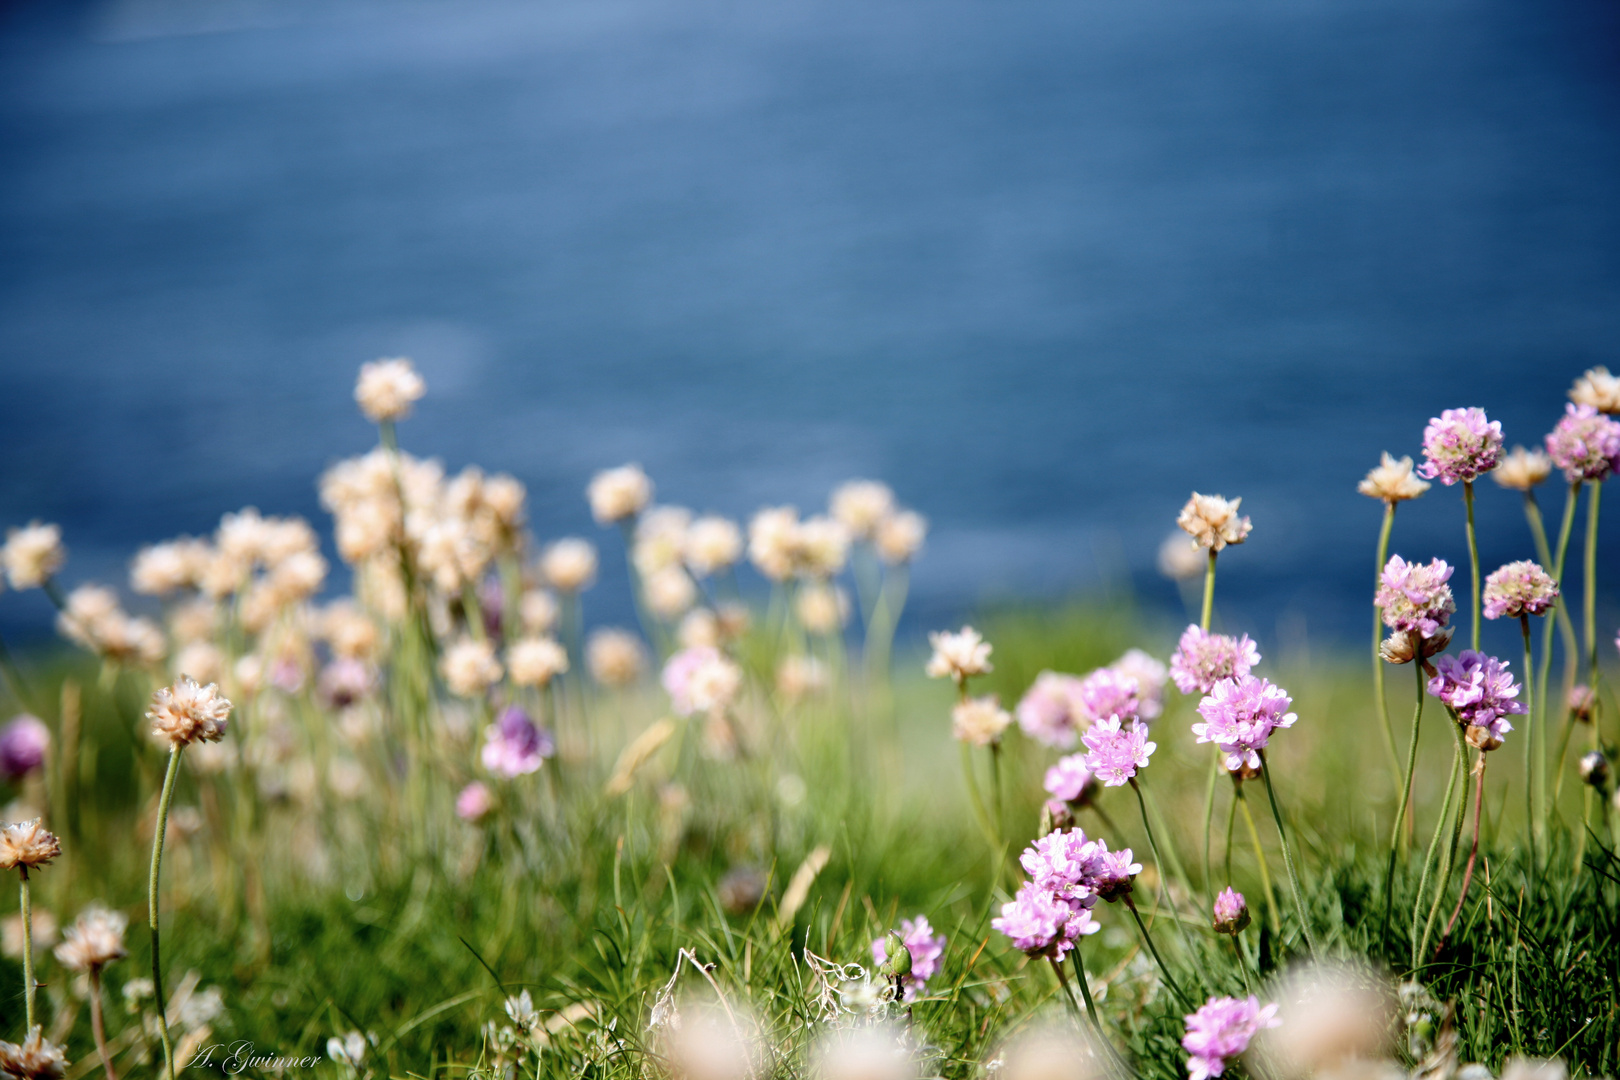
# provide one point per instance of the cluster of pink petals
(1058, 707)
(1040, 924)
(474, 802)
(925, 948)
(1069, 779)
(1106, 692)
(1117, 749)
(514, 746)
(1585, 444)
(1221, 1030)
(1239, 717)
(1203, 659)
(1415, 597)
(1481, 690)
(1231, 911)
(1519, 588)
(1068, 874)
(1150, 676)
(1047, 710)
(1459, 445)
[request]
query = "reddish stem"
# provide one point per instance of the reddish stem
(1473, 850)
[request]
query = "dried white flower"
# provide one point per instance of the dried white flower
(618, 494)
(469, 667)
(387, 388)
(32, 554)
(1213, 521)
(569, 564)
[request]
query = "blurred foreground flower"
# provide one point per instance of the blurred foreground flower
(1221, 1030)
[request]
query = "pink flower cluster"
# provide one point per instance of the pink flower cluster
(1117, 749)
(1519, 588)
(1070, 780)
(1047, 710)
(514, 746)
(1058, 707)
(1203, 659)
(1415, 598)
(1068, 875)
(1239, 717)
(1585, 444)
(1221, 1030)
(1460, 445)
(1231, 911)
(1040, 924)
(925, 947)
(1481, 690)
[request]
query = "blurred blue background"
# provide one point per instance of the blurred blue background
(1044, 266)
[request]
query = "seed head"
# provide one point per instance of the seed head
(27, 845)
(95, 940)
(1522, 469)
(34, 1059)
(1213, 522)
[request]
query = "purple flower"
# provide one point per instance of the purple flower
(1061, 865)
(1040, 924)
(23, 743)
(1104, 693)
(1482, 691)
(1150, 676)
(1415, 597)
(1203, 659)
(474, 802)
(1519, 588)
(925, 947)
(1231, 911)
(1117, 751)
(514, 746)
(1239, 717)
(1585, 444)
(1047, 710)
(1221, 1030)
(344, 681)
(1110, 873)
(1459, 445)
(1069, 779)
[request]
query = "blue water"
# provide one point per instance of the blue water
(1045, 265)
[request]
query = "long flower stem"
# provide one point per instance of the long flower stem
(1398, 833)
(28, 949)
(1091, 1010)
(1377, 637)
(1160, 866)
(152, 906)
(1419, 944)
(1147, 938)
(1209, 593)
(98, 1026)
(1473, 556)
(1473, 850)
(1449, 863)
(1544, 673)
(1531, 716)
(1288, 854)
(1260, 858)
(1589, 596)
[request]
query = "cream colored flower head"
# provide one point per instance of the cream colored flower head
(186, 712)
(773, 542)
(535, 661)
(27, 845)
(387, 389)
(504, 497)
(712, 543)
(670, 593)
(538, 612)
(800, 676)
(350, 631)
(615, 657)
(34, 1059)
(1213, 521)
(1181, 559)
(700, 628)
(618, 494)
(1392, 481)
(823, 546)
(1522, 469)
(900, 536)
(569, 565)
(32, 554)
(161, 569)
(203, 659)
(469, 667)
(861, 506)
(1598, 389)
(822, 608)
(979, 721)
(95, 939)
(660, 540)
(959, 655)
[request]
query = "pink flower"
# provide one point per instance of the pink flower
(1239, 717)
(1459, 445)
(700, 679)
(1203, 659)
(1231, 911)
(1047, 710)
(1150, 676)
(1585, 444)
(23, 743)
(1482, 691)
(925, 949)
(474, 802)
(1040, 924)
(1519, 588)
(1106, 692)
(1060, 864)
(513, 746)
(1117, 751)
(1069, 779)
(1110, 873)
(1415, 597)
(1221, 1030)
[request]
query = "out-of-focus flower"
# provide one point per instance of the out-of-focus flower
(1181, 559)
(979, 721)
(469, 667)
(900, 536)
(94, 940)
(1213, 522)
(1239, 717)
(705, 1042)
(535, 661)
(1104, 693)
(1047, 710)
(925, 948)
(1598, 389)
(161, 569)
(670, 593)
(23, 743)
(615, 657)
(712, 544)
(701, 680)
(1203, 659)
(823, 546)
(1221, 1030)
(822, 608)
(1231, 912)
(1149, 675)
(660, 539)
(1522, 469)
(1052, 1054)
(43, 933)
(1392, 481)
(618, 494)
(537, 612)
(202, 660)
(876, 1052)
(1482, 691)
(1117, 750)
(27, 844)
(800, 676)
(958, 655)
(700, 626)
(1460, 445)
(514, 745)
(773, 541)
(34, 1059)
(32, 554)
(1331, 1016)
(387, 389)
(1070, 780)
(861, 505)
(185, 712)
(474, 802)
(1584, 443)
(1594, 769)
(1414, 597)
(1581, 701)
(1519, 588)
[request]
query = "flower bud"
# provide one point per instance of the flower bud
(1231, 912)
(1056, 816)
(899, 957)
(1581, 700)
(1595, 769)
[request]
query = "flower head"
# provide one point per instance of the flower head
(26, 845)
(712, 544)
(1117, 751)
(535, 661)
(1522, 469)
(470, 668)
(615, 657)
(1149, 675)
(1213, 522)
(900, 536)
(1482, 691)
(32, 554)
(925, 948)
(1070, 780)
(569, 564)
(474, 801)
(1105, 692)
(1203, 659)
(23, 743)
(1220, 1030)
(1231, 912)
(1060, 863)
(34, 1059)
(618, 494)
(979, 721)
(185, 712)
(387, 389)
(958, 655)
(862, 505)
(1110, 873)
(1594, 769)
(701, 680)
(1519, 588)
(95, 940)
(1392, 481)
(1040, 924)
(1181, 559)
(1239, 717)
(1046, 712)
(1415, 597)
(1460, 445)
(1585, 444)
(1598, 389)
(514, 745)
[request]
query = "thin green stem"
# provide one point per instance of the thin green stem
(1260, 858)
(1091, 1010)
(1147, 938)
(1449, 863)
(1209, 593)
(1567, 631)
(1473, 556)
(1398, 832)
(28, 950)
(1473, 850)
(1288, 854)
(1377, 638)
(1215, 771)
(1530, 718)
(1589, 596)
(1160, 866)
(1433, 850)
(152, 905)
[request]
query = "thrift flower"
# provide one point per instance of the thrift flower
(618, 494)
(514, 746)
(1415, 598)
(900, 536)
(536, 661)
(773, 541)
(1149, 675)
(1110, 873)
(700, 680)
(34, 1059)
(95, 940)
(1203, 659)
(27, 845)
(185, 712)
(1105, 692)
(960, 655)
(712, 544)
(1213, 522)
(1231, 912)
(1046, 712)
(1180, 559)
(1040, 924)
(1392, 481)
(469, 667)
(615, 657)
(1070, 780)
(387, 389)
(569, 565)
(1594, 769)
(1580, 701)
(1482, 691)
(1117, 752)
(1221, 1030)
(1519, 588)
(23, 743)
(1522, 469)
(925, 947)
(861, 505)
(32, 554)
(1239, 717)
(1460, 445)
(474, 802)
(979, 721)
(1585, 444)
(1597, 389)
(1061, 863)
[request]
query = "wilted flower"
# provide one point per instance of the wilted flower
(1213, 522)
(185, 712)
(701, 680)
(1117, 750)
(925, 947)
(32, 554)
(900, 536)
(23, 743)
(1522, 469)
(979, 721)
(615, 657)
(618, 494)
(1400, 647)
(474, 801)
(1482, 691)
(1598, 389)
(712, 544)
(387, 389)
(1460, 445)
(1046, 712)
(535, 661)
(1181, 559)
(861, 506)
(1414, 597)
(27, 845)
(1040, 924)
(1203, 659)
(569, 564)
(1221, 1030)
(514, 745)
(1070, 780)
(1239, 717)
(94, 940)
(1231, 912)
(469, 667)
(35, 1059)
(1392, 481)
(1585, 444)
(959, 655)
(1519, 588)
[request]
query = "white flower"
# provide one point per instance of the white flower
(712, 543)
(822, 608)
(959, 655)
(773, 541)
(617, 494)
(536, 661)
(979, 721)
(569, 564)
(32, 554)
(900, 536)
(615, 657)
(387, 388)
(469, 667)
(1213, 521)
(670, 593)
(861, 505)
